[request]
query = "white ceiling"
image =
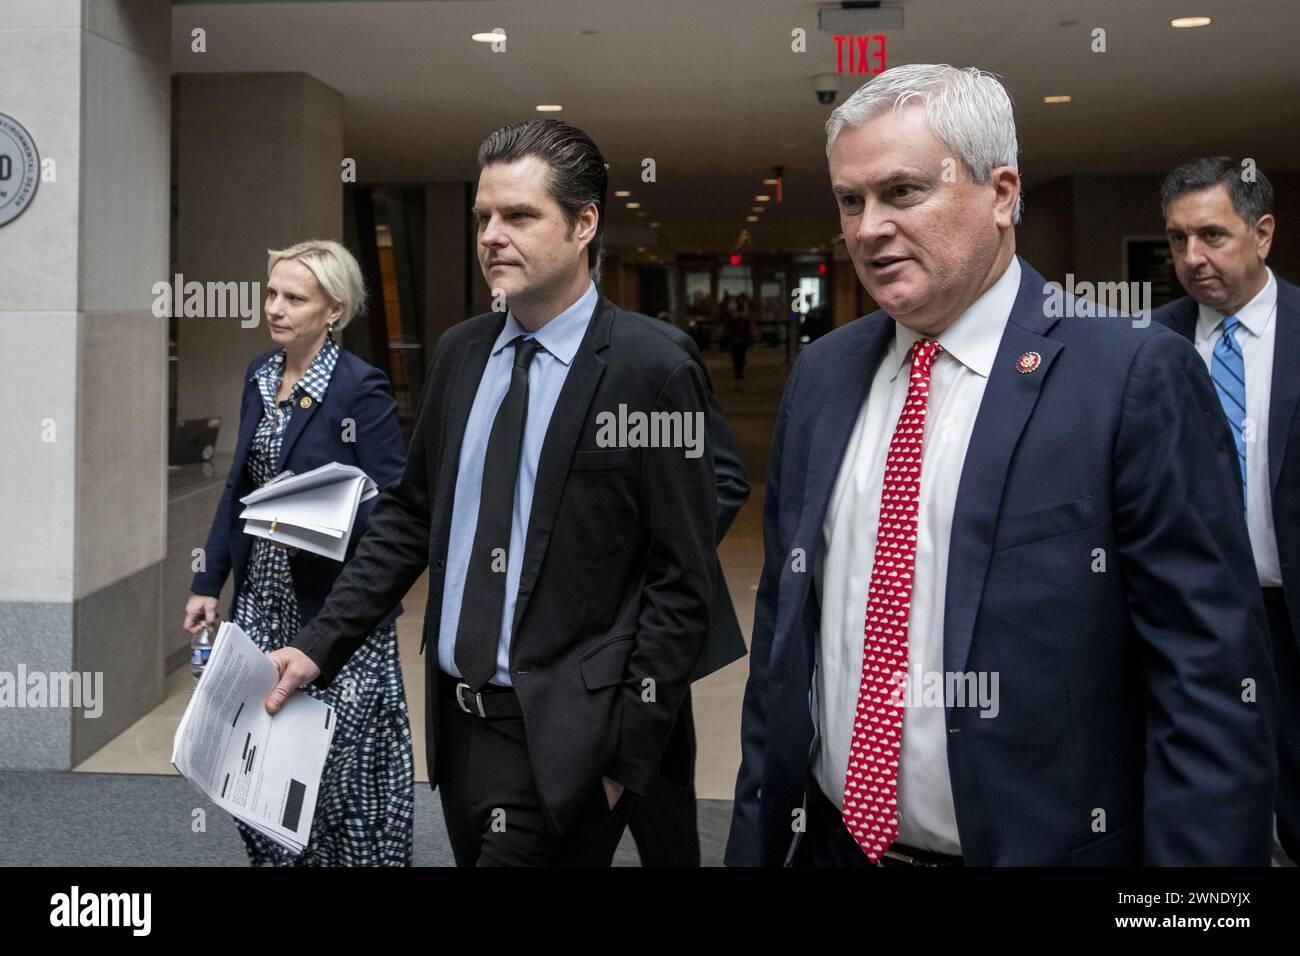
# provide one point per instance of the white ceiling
(712, 91)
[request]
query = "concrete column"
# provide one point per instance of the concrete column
(84, 366)
(258, 167)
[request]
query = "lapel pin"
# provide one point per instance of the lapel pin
(306, 399)
(1028, 362)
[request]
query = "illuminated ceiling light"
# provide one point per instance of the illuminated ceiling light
(549, 107)
(622, 193)
(634, 205)
(487, 37)
(751, 219)
(769, 182)
(1056, 99)
(1185, 23)
(757, 208)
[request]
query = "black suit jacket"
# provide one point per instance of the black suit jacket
(725, 643)
(618, 570)
(1283, 427)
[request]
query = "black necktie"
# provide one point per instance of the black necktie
(481, 603)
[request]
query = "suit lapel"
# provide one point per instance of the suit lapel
(297, 422)
(855, 364)
(1009, 399)
(459, 399)
(1285, 395)
(851, 366)
(1182, 318)
(557, 448)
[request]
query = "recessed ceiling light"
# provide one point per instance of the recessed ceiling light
(622, 193)
(654, 225)
(634, 205)
(769, 182)
(751, 219)
(1056, 99)
(762, 198)
(487, 37)
(640, 215)
(757, 208)
(549, 107)
(1183, 23)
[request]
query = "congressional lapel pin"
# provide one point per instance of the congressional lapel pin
(1028, 362)
(305, 401)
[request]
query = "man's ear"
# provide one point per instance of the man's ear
(1006, 185)
(1263, 230)
(587, 222)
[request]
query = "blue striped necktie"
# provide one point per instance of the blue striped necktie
(1228, 370)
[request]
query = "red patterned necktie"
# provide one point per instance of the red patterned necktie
(871, 784)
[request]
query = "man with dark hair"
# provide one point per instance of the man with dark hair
(1245, 323)
(571, 555)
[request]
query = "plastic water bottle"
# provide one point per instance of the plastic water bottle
(200, 650)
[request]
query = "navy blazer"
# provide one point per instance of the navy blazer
(314, 437)
(1122, 736)
(1283, 427)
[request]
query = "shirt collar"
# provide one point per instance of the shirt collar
(314, 382)
(1254, 315)
(973, 337)
(562, 335)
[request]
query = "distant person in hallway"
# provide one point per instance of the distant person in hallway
(297, 401)
(1007, 613)
(1244, 320)
(570, 583)
(738, 324)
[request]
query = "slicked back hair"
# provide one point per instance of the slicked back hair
(577, 170)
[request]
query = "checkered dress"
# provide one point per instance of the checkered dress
(366, 805)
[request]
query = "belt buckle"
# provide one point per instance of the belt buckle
(900, 857)
(478, 700)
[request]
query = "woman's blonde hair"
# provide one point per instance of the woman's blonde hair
(334, 268)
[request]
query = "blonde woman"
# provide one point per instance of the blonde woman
(308, 402)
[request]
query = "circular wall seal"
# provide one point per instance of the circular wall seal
(20, 167)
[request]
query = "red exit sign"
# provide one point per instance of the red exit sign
(862, 54)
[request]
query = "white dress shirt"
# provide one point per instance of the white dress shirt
(957, 378)
(1255, 335)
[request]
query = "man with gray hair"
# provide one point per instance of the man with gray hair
(1245, 322)
(967, 491)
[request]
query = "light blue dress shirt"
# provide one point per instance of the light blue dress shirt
(559, 339)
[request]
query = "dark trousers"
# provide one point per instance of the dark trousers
(1286, 660)
(663, 822)
(826, 840)
(491, 804)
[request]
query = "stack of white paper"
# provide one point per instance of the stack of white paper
(313, 511)
(264, 770)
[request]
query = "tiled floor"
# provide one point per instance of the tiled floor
(146, 746)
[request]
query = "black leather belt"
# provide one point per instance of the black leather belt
(491, 703)
(899, 854)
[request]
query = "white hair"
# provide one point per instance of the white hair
(334, 268)
(968, 110)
